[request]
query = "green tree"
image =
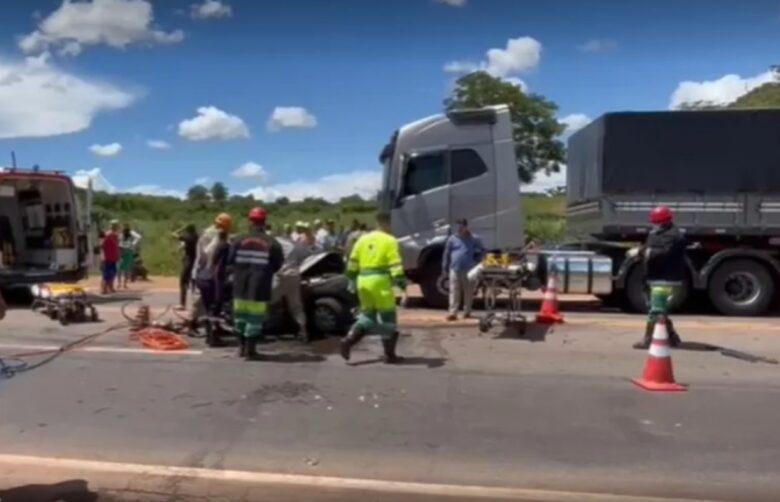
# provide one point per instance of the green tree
(536, 130)
(219, 193)
(198, 193)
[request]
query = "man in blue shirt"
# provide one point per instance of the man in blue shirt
(462, 252)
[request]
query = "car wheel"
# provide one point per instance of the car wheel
(741, 288)
(435, 286)
(329, 316)
(637, 293)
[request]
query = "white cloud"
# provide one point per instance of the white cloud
(202, 180)
(520, 55)
(461, 67)
(290, 116)
(155, 190)
(158, 144)
(331, 187)
(116, 23)
(453, 3)
(721, 91)
(250, 170)
(108, 150)
(213, 123)
(82, 177)
(518, 82)
(210, 9)
(597, 45)
(574, 122)
(544, 182)
(38, 100)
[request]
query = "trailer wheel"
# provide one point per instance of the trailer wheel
(435, 285)
(636, 292)
(741, 288)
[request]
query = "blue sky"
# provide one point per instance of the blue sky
(81, 79)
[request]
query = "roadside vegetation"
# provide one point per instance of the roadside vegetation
(157, 217)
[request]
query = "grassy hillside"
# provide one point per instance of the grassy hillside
(156, 217)
(765, 96)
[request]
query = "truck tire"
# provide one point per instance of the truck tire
(636, 299)
(741, 288)
(434, 285)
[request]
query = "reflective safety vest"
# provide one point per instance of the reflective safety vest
(376, 253)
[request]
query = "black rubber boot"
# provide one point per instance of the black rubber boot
(389, 346)
(645, 342)
(241, 346)
(250, 351)
(349, 341)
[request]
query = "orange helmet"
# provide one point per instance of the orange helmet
(224, 222)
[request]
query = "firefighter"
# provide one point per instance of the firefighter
(255, 257)
(663, 257)
(375, 264)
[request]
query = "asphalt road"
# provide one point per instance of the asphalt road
(544, 415)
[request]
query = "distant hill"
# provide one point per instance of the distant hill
(765, 96)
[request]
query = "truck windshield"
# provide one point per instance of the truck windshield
(386, 194)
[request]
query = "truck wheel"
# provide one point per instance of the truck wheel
(636, 292)
(435, 286)
(741, 288)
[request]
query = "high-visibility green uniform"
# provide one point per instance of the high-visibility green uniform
(375, 263)
(660, 294)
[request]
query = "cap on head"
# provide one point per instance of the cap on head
(257, 215)
(660, 215)
(224, 221)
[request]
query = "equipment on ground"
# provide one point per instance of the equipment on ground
(66, 303)
(501, 275)
(715, 170)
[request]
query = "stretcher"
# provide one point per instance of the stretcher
(499, 277)
(66, 303)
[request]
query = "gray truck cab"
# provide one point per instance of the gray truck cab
(443, 168)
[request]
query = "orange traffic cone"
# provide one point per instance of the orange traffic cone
(658, 374)
(549, 313)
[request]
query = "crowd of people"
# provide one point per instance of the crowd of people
(119, 248)
(265, 268)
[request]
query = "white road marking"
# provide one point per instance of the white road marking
(376, 485)
(115, 350)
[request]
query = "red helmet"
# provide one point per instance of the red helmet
(257, 215)
(660, 214)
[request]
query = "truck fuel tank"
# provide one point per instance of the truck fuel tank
(579, 272)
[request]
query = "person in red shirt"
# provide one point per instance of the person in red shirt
(110, 248)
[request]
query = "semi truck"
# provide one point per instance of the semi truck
(718, 171)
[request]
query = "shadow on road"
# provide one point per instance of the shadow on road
(698, 347)
(291, 357)
(428, 362)
(529, 332)
(74, 490)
